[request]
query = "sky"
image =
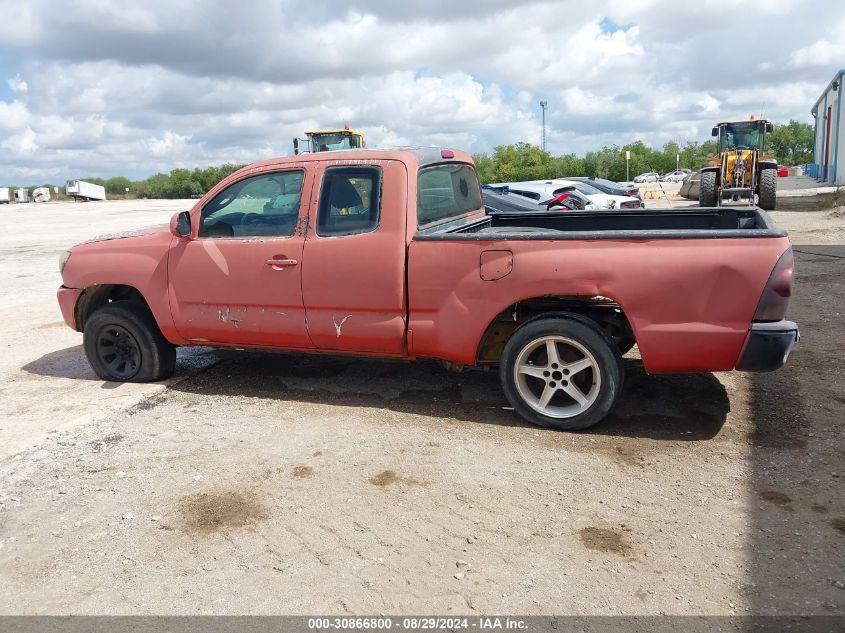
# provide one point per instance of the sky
(104, 88)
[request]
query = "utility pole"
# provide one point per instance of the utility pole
(543, 105)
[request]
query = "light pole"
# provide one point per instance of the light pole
(543, 105)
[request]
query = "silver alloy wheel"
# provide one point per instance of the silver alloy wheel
(557, 376)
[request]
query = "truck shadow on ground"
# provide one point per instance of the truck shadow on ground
(666, 407)
(71, 363)
(676, 408)
(64, 363)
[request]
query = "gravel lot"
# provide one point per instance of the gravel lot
(269, 483)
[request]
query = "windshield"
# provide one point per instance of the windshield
(334, 140)
(740, 135)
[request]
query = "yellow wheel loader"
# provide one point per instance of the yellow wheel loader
(741, 170)
(327, 140)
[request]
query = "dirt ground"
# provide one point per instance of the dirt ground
(271, 483)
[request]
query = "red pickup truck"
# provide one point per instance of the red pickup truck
(390, 253)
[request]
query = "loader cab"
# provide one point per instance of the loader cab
(742, 135)
(330, 140)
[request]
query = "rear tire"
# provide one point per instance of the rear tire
(124, 344)
(707, 194)
(767, 198)
(562, 372)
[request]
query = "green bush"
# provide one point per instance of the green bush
(513, 163)
(179, 183)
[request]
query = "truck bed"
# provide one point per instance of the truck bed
(687, 280)
(698, 223)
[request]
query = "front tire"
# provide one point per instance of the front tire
(124, 344)
(562, 372)
(707, 194)
(767, 198)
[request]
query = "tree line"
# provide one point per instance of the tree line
(179, 183)
(510, 163)
(792, 144)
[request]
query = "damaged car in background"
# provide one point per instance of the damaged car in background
(545, 189)
(534, 198)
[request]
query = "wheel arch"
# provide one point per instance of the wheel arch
(95, 297)
(604, 311)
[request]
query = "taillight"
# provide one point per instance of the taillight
(447, 153)
(772, 305)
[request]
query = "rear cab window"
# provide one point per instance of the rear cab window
(446, 191)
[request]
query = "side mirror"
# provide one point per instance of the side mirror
(714, 131)
(180, 224)
(769, 128)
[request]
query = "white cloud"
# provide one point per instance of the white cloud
(111, 88)
(823, 53)
(13, 116)
(22, 143)
(17, 84)
(171, 144)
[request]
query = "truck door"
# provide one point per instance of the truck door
(353, 277)
(238, 281)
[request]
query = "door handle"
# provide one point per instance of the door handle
(281, 263)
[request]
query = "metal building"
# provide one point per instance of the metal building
(829, 135)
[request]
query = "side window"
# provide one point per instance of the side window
(446, 191)
(350, 200)
(264, 205)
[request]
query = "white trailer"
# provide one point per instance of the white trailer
(4, 195)
(21, 195)
(82, 190)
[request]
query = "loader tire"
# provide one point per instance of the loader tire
(707, 194)
(767, 198)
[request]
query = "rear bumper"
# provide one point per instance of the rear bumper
(768, 346)
(67, 302)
